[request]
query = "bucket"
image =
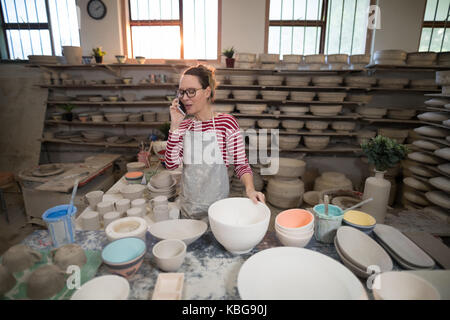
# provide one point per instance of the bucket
(327, 225)
(60, 224)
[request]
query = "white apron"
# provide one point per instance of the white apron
(205, 175)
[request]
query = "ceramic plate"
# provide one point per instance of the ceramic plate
(441, 183)
(186, 230)
(361, 250)
(356, 270)
(445, 168)
(110, 287)
(287, 273)
(443, 153)
(403, 247)
(439, 198)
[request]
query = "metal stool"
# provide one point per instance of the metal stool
(6, 181)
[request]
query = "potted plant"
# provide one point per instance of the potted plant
(229, 53)
(383, 153)
(98, 54)
(67, 115)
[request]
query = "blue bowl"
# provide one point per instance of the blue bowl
(124, 256)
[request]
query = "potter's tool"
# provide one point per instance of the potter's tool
(326, 201)
(74, 192)
(358, 204)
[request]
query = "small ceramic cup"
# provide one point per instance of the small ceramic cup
(161, 213)
(94, 198)
(90, 220)
(104, 207)
(139, 203)
(110, 217)
(169, 254)
(123, 205)
(135, 212)
(174, 213)
(159, 201)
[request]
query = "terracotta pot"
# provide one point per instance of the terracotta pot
(377, 188)
(230, 62)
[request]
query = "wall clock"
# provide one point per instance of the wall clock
(96, 9)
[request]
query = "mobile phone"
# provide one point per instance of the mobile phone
(181, 107)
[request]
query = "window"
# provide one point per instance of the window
(317, 26)
(174, 29)
(435, 36)
(38, 27)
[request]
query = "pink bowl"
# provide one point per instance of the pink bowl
(294, 219)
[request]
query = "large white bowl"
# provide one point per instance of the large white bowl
(397, 285)
(238, 224)
(287, 273)
(110, 287)
(186, 230)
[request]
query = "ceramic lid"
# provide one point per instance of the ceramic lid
(362, 250)
(402, 246)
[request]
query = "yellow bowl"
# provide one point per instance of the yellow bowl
(359, 218)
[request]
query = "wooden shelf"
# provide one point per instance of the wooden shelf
(282, 116)
(104, 123)
(385, 120)
(437, 95)
(113, 86)
(110, 65)
(288, 102)
(406, 67)
(324, 133)
(329, 149)
(98, 144)
(114, 103)
(436, 125)
(287, 72)
(437, 109)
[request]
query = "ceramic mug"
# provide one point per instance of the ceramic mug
(123, 205)
(110, 217)
(174, 213)
(139, 203)
(94, 198)
(135, 212)
(161, 213)
(90, 220)
(104, 207)
(159, 201)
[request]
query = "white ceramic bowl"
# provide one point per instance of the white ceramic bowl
(110, 287)
(290, 241)
(132, 191)
(397, 285)
(187, 230)
(238, 224)
(126, 228)
(169, 254)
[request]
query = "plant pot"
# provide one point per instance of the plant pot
(98, 59)
(230, 62)
(377, 188)
(67, 116)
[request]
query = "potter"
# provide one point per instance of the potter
(206, 145)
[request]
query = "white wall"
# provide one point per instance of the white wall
(105, 33)
(401, 22)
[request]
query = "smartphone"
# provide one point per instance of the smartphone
(181, 107)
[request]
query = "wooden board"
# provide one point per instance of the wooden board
(86, 171)
(403, 248)
(432, 246)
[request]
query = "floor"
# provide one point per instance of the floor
(17, 229)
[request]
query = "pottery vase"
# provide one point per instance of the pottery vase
(98, 59)
(377, 188)
(68, 116)
(229, 62)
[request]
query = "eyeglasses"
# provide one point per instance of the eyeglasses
(191, 92)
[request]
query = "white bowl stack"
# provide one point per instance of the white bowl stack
(337, 61)
(268, 61)
(421, 59)
(291, 61)
(295, 237)
(285, 188)
(390, 57)
(314, 62)
(162, 184)
(428, 184)
(245, 60)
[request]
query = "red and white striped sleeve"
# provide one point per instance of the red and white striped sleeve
(173, 156)
(236, 148)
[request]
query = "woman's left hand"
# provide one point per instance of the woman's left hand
(256, 196)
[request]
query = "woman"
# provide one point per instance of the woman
(206, 145)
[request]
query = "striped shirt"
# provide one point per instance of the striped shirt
(228, 135)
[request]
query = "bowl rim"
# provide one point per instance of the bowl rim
(139, 256)
(115, 278)
(359, 225)
(296, 228)
(296, 237)
(160, 243)
(266, 211)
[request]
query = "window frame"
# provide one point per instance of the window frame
(127, 23)
(322, 23)
(433, 25)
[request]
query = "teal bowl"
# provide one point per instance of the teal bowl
(124, 256)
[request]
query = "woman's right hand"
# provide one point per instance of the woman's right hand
(176, 117)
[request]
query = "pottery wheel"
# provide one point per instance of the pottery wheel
(47, 170)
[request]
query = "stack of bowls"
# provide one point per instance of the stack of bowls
(93, 135)
(221, 94)
(242, 80)
(124, 256)
(245, 124)
(302, 96)
(398, 135)
(390, 57)
(360, 81)
(134, 177)
(270, 80)
(294, 227)
(372, 112)
(268, 123)
(162, 184)
(393, 83)
(332, 180)
(298, 81)
(252, 109)
(317, 126)
(331, 96)
(245, 94)
(274, 95)
(292, 125)
(358, 61)
(116, 117)
(327, 81)
(325, 110)
(293, 110)
(313, 62)
(421, 58)
(224, 108)
(289, 142)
